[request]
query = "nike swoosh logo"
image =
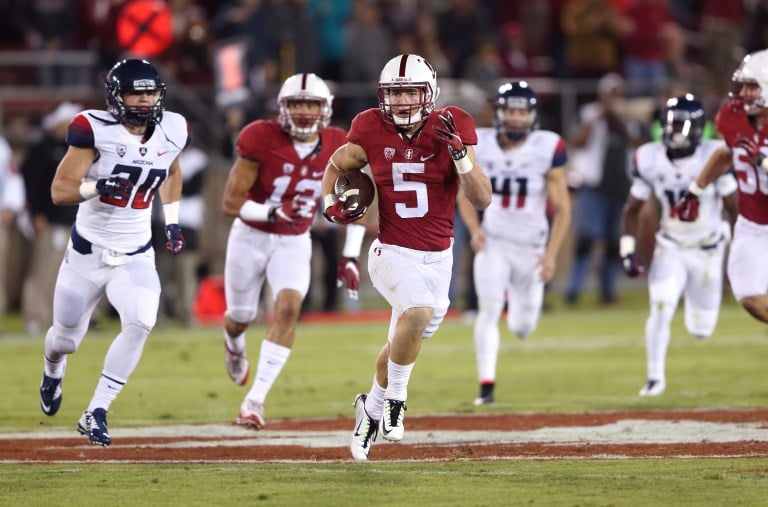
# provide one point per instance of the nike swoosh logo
(161, 153)
(317, 175)
(423, 158)
(46, 408)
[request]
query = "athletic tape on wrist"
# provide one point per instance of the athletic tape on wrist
(626, 245)
(171, 212)
(695, 189)
(328, 201)
(254, 211)
(88, 190)
(463, 165)
(354, 240)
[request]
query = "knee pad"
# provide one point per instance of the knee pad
(437, 317)
(242, 315)
(65, 340)
(136, 331)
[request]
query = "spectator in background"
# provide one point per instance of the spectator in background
(600, 150)
(592, 30)
(51, 223)
(11, 204)
(49, 27)
(330, 17)
(514, 55)
(372, 45)
(179, 274)
(460, 28)
(653, 47)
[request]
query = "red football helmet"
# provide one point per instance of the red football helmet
(304, 87)
(408, 71)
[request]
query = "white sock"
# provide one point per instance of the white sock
(235, 344)
(107, 390)
(272, 358)
(397, 377)
(54, 369)
(374, 403)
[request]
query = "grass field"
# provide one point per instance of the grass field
(579, 360)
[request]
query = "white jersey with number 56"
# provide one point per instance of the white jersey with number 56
(112, 222)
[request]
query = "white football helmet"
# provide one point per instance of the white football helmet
(304, 87)
(754, 69)
(408, 71)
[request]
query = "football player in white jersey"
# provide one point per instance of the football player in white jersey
(516, 249)
(116, 162)
(687, 256)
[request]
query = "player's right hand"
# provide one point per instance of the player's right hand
(284, 215)
(751, 147)
(348, 273)
(114, 186)
(687, 208)
(336, 212)
(633, 265)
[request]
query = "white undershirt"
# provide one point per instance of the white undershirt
(304, 149)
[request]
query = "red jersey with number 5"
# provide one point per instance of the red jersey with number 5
(733, 122)
(416, 181)
(286, 179)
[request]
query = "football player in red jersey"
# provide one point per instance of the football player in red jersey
(273, 190)
(743, 123)
(420, 158)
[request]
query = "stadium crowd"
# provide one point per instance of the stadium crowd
(640, 49)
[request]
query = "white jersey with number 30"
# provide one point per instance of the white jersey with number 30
(112, 222)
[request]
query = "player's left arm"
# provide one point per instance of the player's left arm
(475, 183)
(560, 201)
(170, 194)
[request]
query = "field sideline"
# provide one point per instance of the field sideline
(567, 395)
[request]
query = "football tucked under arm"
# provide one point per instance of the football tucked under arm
(354, 192)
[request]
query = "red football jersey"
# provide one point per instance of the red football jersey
(284, 177)
(733, 122)
(415, 178)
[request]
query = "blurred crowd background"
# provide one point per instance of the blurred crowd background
(223, 63)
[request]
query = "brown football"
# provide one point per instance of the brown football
(355, 188)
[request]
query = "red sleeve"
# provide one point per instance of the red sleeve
(465, 124)
(253, 137)
(80, 133)
(732, 122)
(361, 127)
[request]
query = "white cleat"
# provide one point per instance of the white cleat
(251, 415)
(238, 368)
(653, 388)
(391, 424)
(365, 432)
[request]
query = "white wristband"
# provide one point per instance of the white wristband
(626, 245)
(254, 211)
(88, 190)
(171, 212)
(328, 201)
(354, 240)
(463, 165)
(695, 189)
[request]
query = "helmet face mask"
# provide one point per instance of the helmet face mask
(753, 70)
(407, 90)
(304, 88)
(133, 77)
(682, 125)
(515, 95)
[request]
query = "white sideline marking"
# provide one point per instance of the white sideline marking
(629, 431)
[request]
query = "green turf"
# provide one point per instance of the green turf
(584, 359)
